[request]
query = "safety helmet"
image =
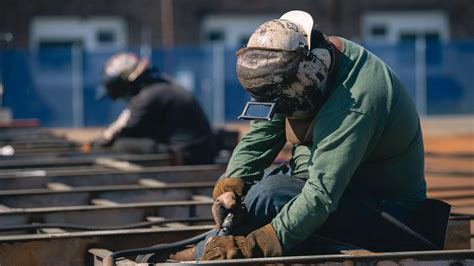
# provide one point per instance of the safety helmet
(121, 72)
(280, 63)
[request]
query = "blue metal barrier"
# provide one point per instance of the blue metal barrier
(42, 84)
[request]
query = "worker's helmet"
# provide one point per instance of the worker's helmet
(280, 62)
(121, 73)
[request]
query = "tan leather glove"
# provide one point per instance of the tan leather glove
(228, 184)
(262, 242)
(222, 205)
(225, 203)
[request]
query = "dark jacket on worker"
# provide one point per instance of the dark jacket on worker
(168, 115)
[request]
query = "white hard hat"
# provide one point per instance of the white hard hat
(121, 71)
(291, 31)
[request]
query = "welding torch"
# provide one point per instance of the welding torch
(225, 229)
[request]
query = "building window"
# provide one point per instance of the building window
(92, 32)
(215, 36)
(379, 30)
(411, 36)
(231, 30)
(106, 36)
(388, 26)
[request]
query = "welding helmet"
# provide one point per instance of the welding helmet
(121, 74)
(280, 69)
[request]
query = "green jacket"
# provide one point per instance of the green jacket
(367, 133)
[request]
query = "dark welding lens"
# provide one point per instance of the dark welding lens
(258, 111)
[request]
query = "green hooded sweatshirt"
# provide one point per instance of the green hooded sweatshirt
(366, 133)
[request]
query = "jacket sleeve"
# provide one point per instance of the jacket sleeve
(340, 143)
(132, 122)
(257, 149)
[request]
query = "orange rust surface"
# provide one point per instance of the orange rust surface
(446, 181)
(449, 163)
(449, 144)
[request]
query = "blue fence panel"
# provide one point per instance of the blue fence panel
(449, 83)
(39, 84)
(450, 78)
(235, 95)
(192, 68)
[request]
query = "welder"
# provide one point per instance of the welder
(161, 116)
(356, 175)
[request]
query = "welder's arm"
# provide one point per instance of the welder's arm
(132, 121)
(342, 141)
(255, 152)
(109, 135)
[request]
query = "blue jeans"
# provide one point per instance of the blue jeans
(360, 220)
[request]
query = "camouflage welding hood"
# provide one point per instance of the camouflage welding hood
(277, 64)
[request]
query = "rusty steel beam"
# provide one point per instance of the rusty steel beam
(43, 151)
(70, 248)
(105, 215)
(151, 222)
(442, 257)
(68, 153)
(456, 172)
(30, 136)
(151, 159)
(7, 134)
(39, 144)
(71, 152)
(69, 196)
(459, 154)
(101, 177)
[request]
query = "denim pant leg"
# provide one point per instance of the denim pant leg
(263, 201)
(266, 198)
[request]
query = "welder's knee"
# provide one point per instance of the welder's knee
(266, 198)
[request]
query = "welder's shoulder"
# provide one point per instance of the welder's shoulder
(171, 91)
(375, 87)
(147, 96)
(159, 93)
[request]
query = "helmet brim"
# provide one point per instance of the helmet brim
(303, 19)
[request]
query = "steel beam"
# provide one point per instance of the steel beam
(442, 257)
(105, 215)
(71, 248)
(30, 198)
(152, 159)
(101, 177)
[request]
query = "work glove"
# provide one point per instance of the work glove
(228, 184)
(262, 242)
(225, 203)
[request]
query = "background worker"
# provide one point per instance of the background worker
(357, 166)
(161, 116)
